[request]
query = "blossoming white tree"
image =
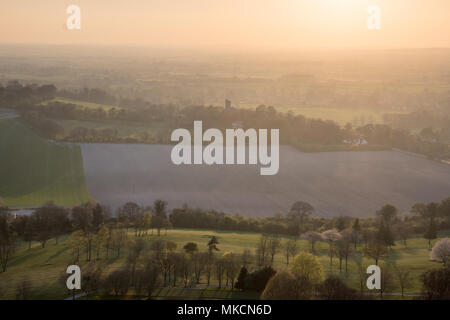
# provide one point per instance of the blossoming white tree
(441, 251)
(331, 236)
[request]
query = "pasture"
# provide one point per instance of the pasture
(85, 104)
(124, 128)
(341, 116)
(43, 267)
(34, 171)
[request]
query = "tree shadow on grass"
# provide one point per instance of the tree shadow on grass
(29, 254)
(57, 253)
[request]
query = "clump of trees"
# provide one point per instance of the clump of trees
(256, 280)
(150, 263)
(16, 95)
(333, 288)
(298, 282)
(436, 284)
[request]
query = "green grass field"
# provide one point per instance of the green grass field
(85, 104)
(124, 128)
(34, 170)
(43, 267)
(341, 116)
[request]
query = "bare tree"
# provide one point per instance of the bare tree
(368, 235)
(312, 237)
(375, 250)
(274, 246)
(7, 239)
(186, 269)
(165, 265)
(76, 243)
(199, 262)
(220, 266)
(403, 232)
(247, 258)
(119, 239)
(176, 261)
(101, 239)
(403, 277)
(361, 272)
(23, 289)
(109, 239)
(262, 251)
(231, 267)
(209, 267)
(387, 279)
(290, 249)
(148, 279)
(87, 241)
(158, 248)
(134, 252)
(82, 217)
(345, 247)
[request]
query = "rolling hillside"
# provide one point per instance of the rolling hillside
(34, 171)
(43, 267)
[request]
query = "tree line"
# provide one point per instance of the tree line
(16, 95)
(422, 218)
(298, 130)
(95, 223)
(96, 236)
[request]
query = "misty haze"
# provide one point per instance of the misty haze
(93, 206)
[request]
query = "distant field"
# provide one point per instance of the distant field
(335, 183)
(124, 129)
(340, 115)
(34, 171)
(43, 267)
(85, 104)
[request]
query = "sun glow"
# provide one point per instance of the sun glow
(232, 23)
(344, 8)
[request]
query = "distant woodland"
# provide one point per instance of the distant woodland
(296, 130)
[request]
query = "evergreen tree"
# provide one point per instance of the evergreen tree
(212, 244)
(240, 283)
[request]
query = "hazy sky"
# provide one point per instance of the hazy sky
(239, 23)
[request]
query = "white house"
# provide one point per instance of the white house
(357, 141)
